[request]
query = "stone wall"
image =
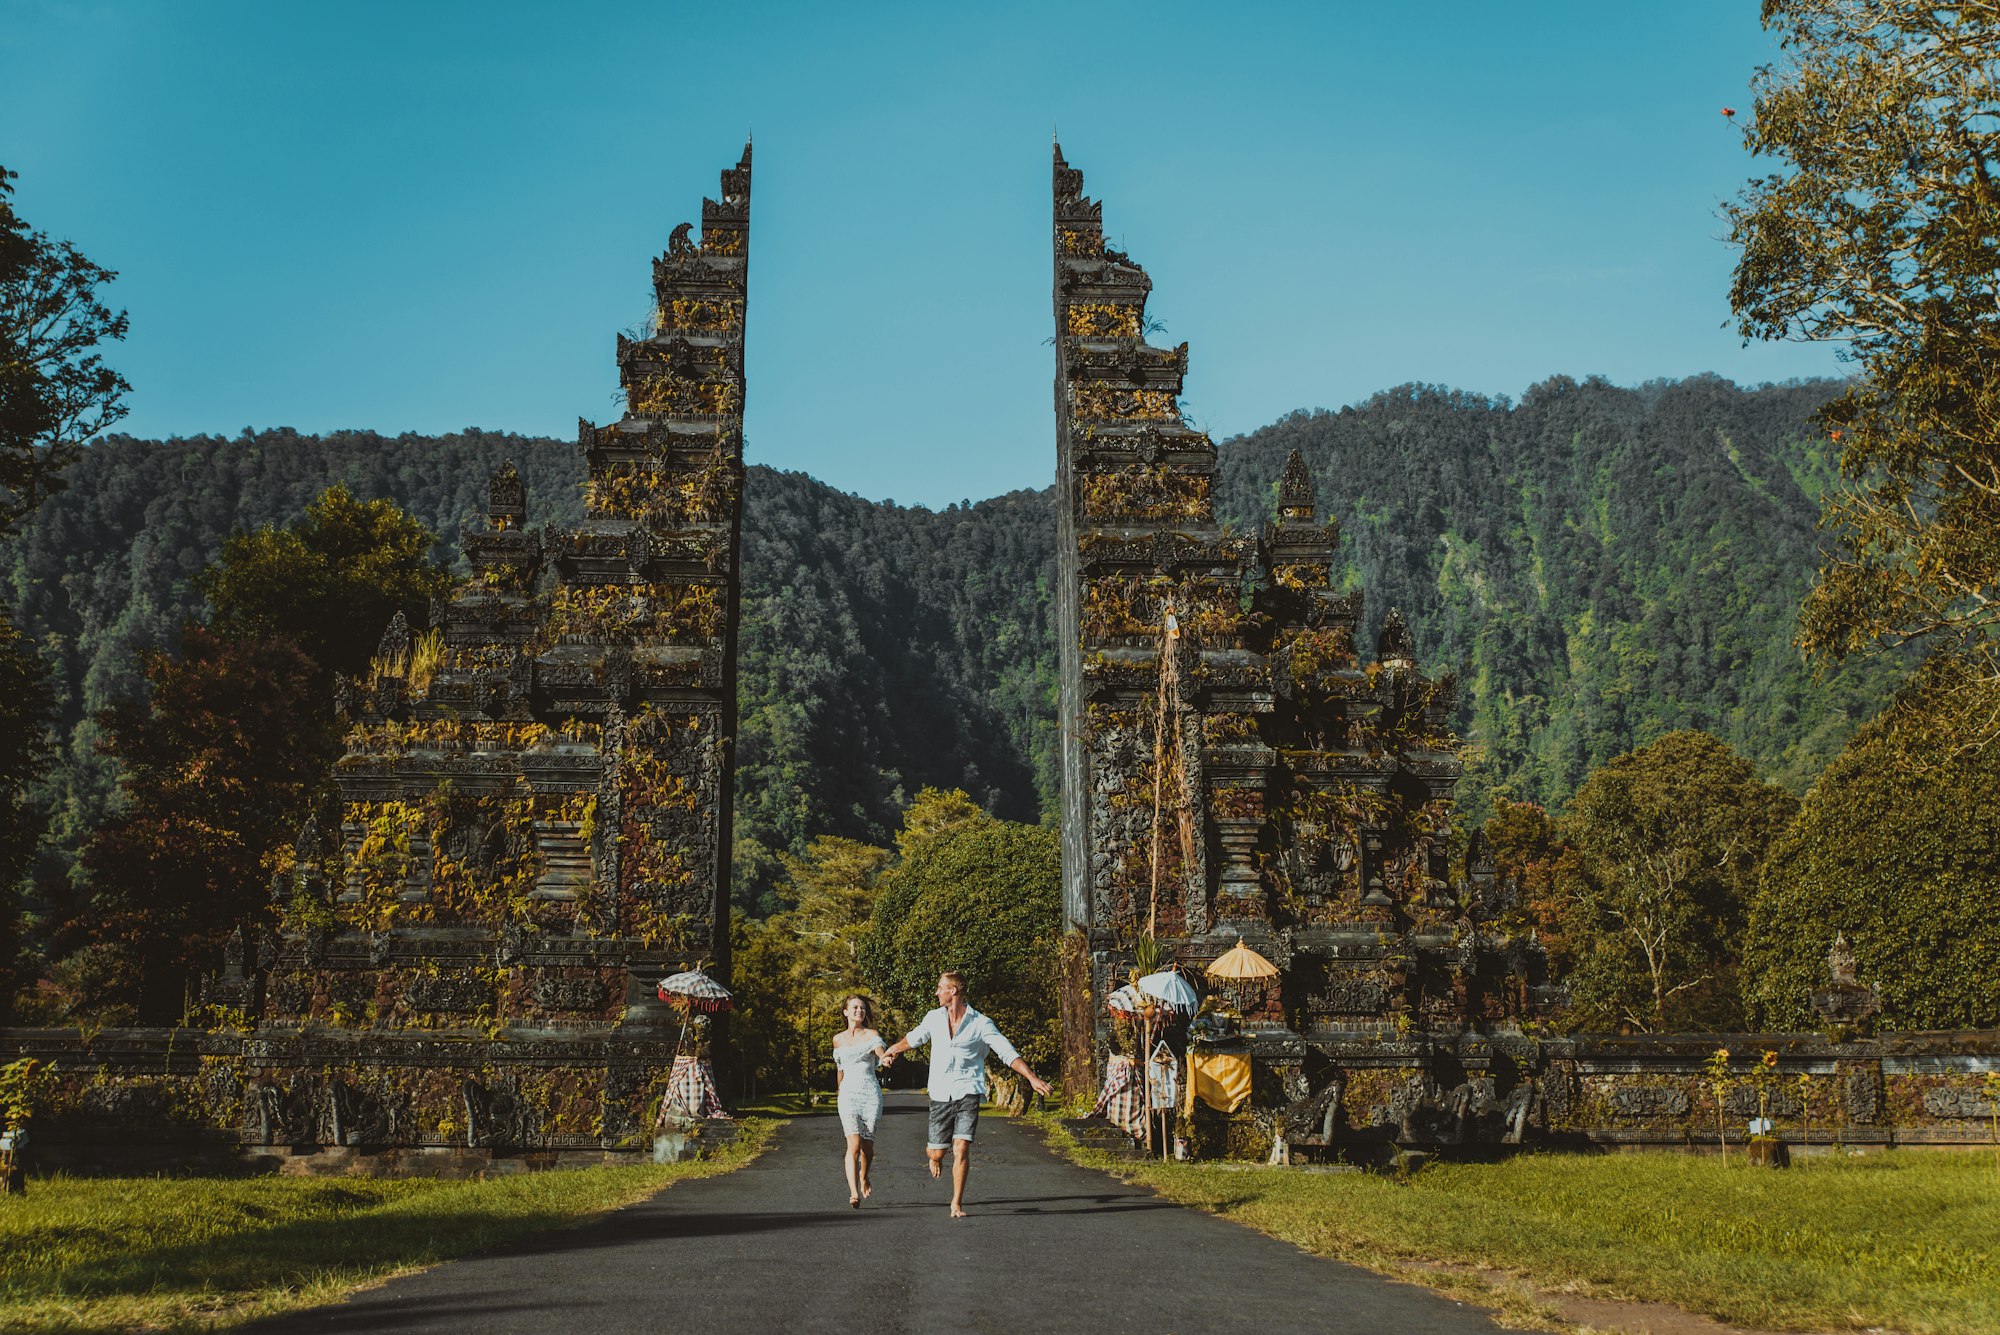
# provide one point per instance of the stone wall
(447, 1104)
(1362, 1098)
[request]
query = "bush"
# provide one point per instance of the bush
(979, 895)
(1898, 846)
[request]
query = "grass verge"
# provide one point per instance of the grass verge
(188, 1253)
(1907, 1240)
(784, 1105)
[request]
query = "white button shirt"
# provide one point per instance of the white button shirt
(958, 1061)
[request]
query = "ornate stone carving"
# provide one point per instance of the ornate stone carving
(496, 1117)
(553, 993)
(445, 994)
(1323, 788)
(1649, 1101)
(1846, 1003)
(1958, 1103)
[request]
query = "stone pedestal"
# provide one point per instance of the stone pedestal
(1769, 1154)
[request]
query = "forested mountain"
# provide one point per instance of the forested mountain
(1603, 565)
(883, 648)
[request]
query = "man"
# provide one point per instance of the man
(960, 1037)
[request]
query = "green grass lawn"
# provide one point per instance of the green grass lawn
(1908, 1239)
(182, 1253)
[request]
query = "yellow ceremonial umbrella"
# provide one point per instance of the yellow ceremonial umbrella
(1240, 964)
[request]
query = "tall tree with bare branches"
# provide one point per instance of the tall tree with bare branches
(1649, 901)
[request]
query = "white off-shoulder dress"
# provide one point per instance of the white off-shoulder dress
(860, 1099)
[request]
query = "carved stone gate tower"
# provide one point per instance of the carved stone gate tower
(1231, 768)
(534, 822)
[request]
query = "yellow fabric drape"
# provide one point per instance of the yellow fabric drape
(1219, 1079)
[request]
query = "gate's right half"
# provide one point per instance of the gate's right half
(1231, 767)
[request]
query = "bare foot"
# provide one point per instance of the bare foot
(958, 1212)
(854, 1202)
(937, 1169)
(867, 1190)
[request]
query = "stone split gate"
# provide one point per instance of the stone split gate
(535, 820)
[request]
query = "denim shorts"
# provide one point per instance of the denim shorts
(954, 1119)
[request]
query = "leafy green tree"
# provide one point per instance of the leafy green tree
(328, 582)
(767, 1043)
(24, 751)
(219, 761)
(55, 393)
(755, 873)
(236, 738)
(1669, 840)
(792, 970)
(832, 893)
(1897, 846)
(55, 390)
(1529, 852)
(980, 895)
(1875, 231)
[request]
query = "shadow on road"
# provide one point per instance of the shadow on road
(406, 1314)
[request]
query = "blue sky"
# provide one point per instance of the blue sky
(427, 216)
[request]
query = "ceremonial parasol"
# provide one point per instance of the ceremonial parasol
(1239, 965)
(1171, 990)
(695, 990)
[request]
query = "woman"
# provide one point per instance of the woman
(857, 1051)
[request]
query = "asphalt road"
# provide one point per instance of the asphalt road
(773, 1247)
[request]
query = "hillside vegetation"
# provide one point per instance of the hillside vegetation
(1603, 565)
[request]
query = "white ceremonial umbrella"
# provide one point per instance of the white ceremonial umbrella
(1171, 990)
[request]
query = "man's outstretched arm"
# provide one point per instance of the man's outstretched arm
(997, 1044)
(1020, 1067)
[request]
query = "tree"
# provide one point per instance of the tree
(980, 895)
(55, 390)
(236, 739)
(1529, 852)
(1898, 847)
(832, 894)
(218, 764)
(792, 970)
(1669, 840)
(25, 709)
(328, 582)
(1877, 232)
(55, 393)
